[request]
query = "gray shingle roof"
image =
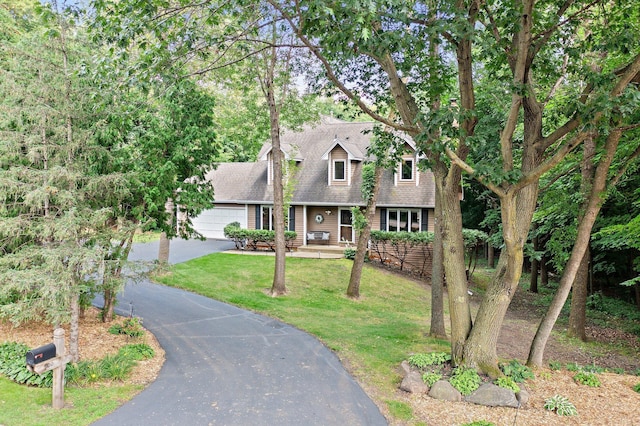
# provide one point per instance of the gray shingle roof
(247, 182)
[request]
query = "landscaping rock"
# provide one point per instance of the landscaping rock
(493, 396)
(413, 383)
(444, 391)
(523, 397)
(406, 368)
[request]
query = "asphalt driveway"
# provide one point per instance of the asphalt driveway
(228, 366)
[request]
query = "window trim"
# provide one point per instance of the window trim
(404, 162)
(398, 212)
(344, 170)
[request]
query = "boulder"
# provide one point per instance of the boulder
(405, 368)
(523, 397)
(444, 391)
(413, 383)
(493, 396)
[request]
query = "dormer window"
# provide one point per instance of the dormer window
(339, 170)
(406, 169)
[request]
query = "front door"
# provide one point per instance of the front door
(346, 225)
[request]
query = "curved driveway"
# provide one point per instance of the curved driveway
(228, 366)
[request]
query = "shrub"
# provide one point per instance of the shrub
(518, 372)
(131, 327)
(252, 237)
(431, 378)
(479, 423)
(13, 366)
(587, 378)
(432, 358)
(350, 253)
(507, 383)
(561, 405)
(465, 380)
(637, 388)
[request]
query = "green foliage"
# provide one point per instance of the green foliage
(116, 367)
(573, 367)
(111, 367)
(13, 366)
(587, 378)
(637, 388)
(430, 378)
(592, 368)
(137, 351)
(555, 365)
(253, 238)
(479, 423)
(368, 181)
(350, 253)
(561, 405)
(423, 360)
(465, 380)
(131, 327)
(507, 383)
(516, 371)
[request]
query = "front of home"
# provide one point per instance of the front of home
(325, 177)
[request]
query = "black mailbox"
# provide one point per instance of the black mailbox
(41, 354)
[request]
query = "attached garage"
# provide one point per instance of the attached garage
(211, 223)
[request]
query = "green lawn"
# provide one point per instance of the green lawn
(24, 405)
(374, 334)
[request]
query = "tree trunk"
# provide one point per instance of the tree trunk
(74, 331)
(437, 276)
(544, 271)
(480, 349)
(596, 198)
(353, 290)
(112, 276)
(491, 260)
(278, 288)
(164, 246)
(578, 313)
(454, 265)
(533, 283)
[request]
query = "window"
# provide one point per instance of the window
(406, 170)
(339, 170)
(403, 220)
(346, 225)
(267, 218)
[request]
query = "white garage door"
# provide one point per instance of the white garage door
(211, 223)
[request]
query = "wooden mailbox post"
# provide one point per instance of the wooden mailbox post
(57, 364)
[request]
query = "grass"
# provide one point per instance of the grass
(146, 236)
(24, 405)
(374, 334)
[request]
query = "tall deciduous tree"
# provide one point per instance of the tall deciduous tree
(520, 51)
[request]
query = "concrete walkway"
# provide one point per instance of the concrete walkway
(228, 366)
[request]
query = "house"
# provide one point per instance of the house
(325, 185)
